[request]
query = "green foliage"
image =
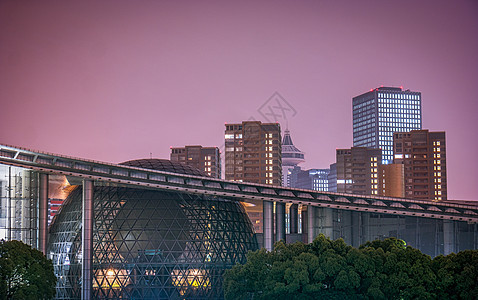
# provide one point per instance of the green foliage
(25, 273)
(327, 269)
(457, 274)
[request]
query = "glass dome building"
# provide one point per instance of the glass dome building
(151, 244)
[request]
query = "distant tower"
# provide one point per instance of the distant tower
(291, 157)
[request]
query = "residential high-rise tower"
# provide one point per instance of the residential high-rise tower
(253, 152)
(423, 155)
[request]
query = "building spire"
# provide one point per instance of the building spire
(291, 155)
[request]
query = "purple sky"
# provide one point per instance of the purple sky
(116, 80)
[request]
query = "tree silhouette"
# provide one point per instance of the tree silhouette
(326, 269)
(25, 273)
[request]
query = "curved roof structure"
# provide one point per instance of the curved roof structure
(291, 155)
(164, 165)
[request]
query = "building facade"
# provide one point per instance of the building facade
(253, 152)
(291, 158)
(357, 170)
(380, 112)
(391, 180)
(423, 155)
(313, 179)
(332, 178)
(207, 159)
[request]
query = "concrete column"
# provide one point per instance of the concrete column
(268, 222)
(9, 206)
(346, 221)
(356, 229)
(448, 237)
(312, 223)
(26, 205)
(280, 221)
(88, 217)
(43, 214)
(365, 227)
(294, 218)
(326, 218)
(305, 222)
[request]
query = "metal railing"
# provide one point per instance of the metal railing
(131, 176)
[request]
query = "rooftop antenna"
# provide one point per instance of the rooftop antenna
(151, 155)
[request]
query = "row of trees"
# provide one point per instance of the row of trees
(25, 273)
(327, 269)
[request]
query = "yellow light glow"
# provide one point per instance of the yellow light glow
(195, 278)
(111, 278)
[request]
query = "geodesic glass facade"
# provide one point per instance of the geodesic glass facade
(151, 244)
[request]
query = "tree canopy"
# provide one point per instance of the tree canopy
(25, 273)
(327, 269)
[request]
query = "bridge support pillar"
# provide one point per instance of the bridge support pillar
(364, 228)
(280, 221)
(326, 222)
(87, 240)
(346, 224)
(268, 224)
(356, 229)
(312, 223)
(294, 218)
(43, 214)
(448, 237)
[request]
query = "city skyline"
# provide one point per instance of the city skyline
(117, 81)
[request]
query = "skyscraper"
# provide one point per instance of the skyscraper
(380, 112)
(206, 159)
(291, 157)
(253, 152)
(423, 155)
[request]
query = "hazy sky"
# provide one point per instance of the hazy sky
(117, 80)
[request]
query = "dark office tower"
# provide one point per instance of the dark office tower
(313, 179)
(357, 170)
(381, 112)
(253, 152)
(291, 157)
(423, 155)
(206, 159)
